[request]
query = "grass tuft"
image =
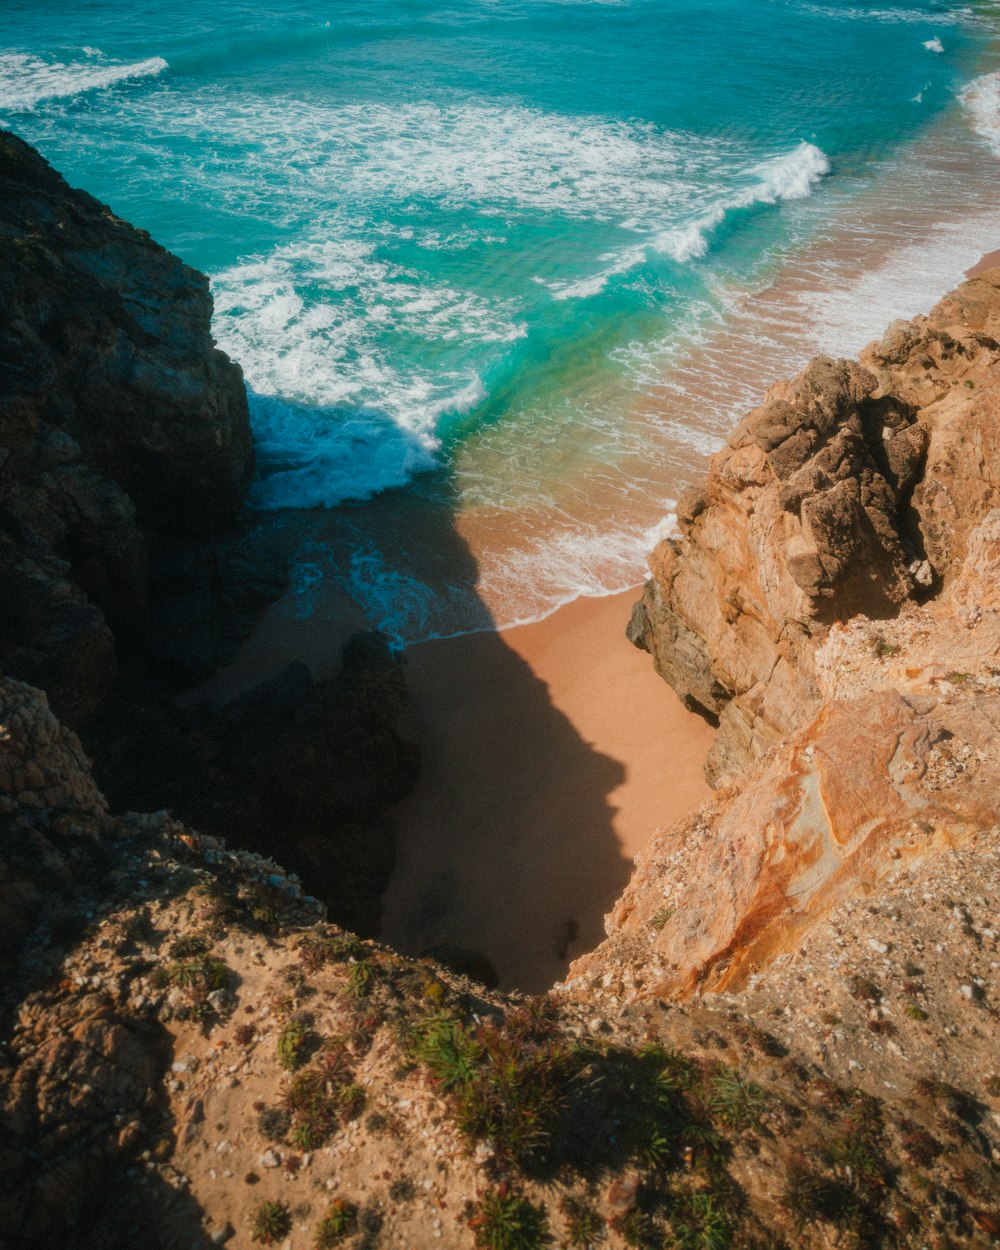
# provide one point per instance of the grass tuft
(339, 1223)
(271, 1222)
(507, 1221)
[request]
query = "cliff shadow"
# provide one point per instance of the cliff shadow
(506, 845)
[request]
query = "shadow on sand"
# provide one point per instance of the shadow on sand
(507, 845)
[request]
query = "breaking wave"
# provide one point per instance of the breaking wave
(27, 81)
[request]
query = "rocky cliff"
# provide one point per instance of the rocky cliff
(128, 565)
(121, 425)
(851, 490)
(834, 598)
(788, 1038)
(193, 1057)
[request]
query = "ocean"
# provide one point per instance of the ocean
(502, 273)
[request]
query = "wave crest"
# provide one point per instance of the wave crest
(789, 177)
(27, 81)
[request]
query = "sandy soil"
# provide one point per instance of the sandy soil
(552, 753)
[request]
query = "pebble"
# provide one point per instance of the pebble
(270, 1159)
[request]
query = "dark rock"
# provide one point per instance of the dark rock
(121, 424)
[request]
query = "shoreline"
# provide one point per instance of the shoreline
(552, 746)
(989, 260)
(556, 751)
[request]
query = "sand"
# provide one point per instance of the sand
(991, 260)
(552, 752)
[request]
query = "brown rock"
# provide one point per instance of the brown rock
(849, 491)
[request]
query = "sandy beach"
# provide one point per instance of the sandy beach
(552, 752)
(989, 261)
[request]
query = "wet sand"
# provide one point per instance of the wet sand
(552, 752)
(991, 260)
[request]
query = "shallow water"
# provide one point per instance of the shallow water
(501, 274)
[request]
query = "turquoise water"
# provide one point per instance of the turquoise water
(472, 255)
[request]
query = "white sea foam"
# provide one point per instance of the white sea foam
(338, 413)
(934, 45)
(907, 282)
(788, 177)
(964, 16)
(621, 263)
(581, 561)
(485, 161)
(981, 98)
(27, 81)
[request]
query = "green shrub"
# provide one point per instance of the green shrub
(584, 1226)
(340, 1222)
(810, 1196)
(189, 947)
(506, 1221)
(699, 1223)
(451, 1053)
(292, 1043)
(351, 1099)
(360, 980)
(313, 1109)
(314, 952)
(737, 1102)
(200, 973)
(271, 1222)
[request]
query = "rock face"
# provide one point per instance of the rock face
(182, 1032)
(83, 1064)
(51, 815)
(120, 422)
(851, 490)
(873, 788)
(855, 665)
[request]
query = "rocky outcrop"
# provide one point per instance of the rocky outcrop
(833, 599)
(121, 425)
(84, 1061)
(51, 816)
(301, 769)
(946, 367)
(192, 1057)
(850, 491)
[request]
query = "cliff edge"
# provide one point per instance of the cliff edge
(121, 424)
